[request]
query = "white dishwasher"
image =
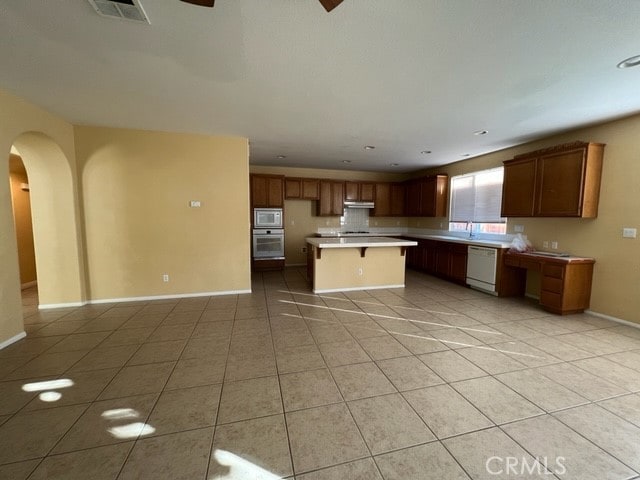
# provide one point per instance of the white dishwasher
(481, 268)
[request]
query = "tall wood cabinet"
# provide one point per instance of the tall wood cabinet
(331, 202)
(389, 200)
(562, 181)
(398, 199)
(427, 196)
(267, 191)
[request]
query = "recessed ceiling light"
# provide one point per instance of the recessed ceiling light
(481, 132)
(425, 152)
(281, 156)
(369, 147)
(630, 62)
(346, 161)
(394, 164)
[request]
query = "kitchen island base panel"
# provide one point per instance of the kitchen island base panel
(342, 269)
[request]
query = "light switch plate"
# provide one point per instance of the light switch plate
(629, 232)
(554, 245)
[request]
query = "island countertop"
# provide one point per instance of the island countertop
(359, 242)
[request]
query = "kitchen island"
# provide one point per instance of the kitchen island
(356, 263)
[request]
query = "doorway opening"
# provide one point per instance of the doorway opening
(22, 219)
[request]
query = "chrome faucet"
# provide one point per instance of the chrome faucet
(470, 228)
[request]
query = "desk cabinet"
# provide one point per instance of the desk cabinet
(565, 283)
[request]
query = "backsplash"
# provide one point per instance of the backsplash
(355, 219)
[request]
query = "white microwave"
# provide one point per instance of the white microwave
(267, 218)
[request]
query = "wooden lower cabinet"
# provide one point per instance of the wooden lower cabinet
(565, 283)
(444, 259)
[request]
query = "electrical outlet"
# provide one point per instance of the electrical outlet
(303, 250)
(518, 228)
(554, 245)
(195, 204)
(293, 222)
(165, 277)
(629, 232)
(360, 271)
(545, 244)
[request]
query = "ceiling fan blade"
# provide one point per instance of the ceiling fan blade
(202, 3)
(330, 4)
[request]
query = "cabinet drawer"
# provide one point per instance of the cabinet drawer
(555, 271)
(530, 264)
(551, 299)
(551, 284)
(511, 262)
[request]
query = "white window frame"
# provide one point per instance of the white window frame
(480, 221)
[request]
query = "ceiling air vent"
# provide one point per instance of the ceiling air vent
(126, 9)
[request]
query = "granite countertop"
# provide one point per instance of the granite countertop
(349, 242)
(467, 241)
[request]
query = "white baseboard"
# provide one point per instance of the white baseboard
(168, 297)
(355, 289)
(13, 339)
(613, 319)
(49, 306)
(24, 286)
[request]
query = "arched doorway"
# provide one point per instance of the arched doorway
(21, 204)
(55, 214)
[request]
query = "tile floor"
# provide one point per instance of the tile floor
(433, 381)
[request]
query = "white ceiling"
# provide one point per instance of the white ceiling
(402, 75)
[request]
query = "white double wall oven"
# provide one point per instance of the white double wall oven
(268, 234)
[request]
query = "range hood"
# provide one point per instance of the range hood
(350, 204)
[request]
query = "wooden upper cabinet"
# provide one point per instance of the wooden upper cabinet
(414, 198)
(367, 192)
(562, 181)
(427, 196)
(267, 191)
(292, 188)
(382, 200)
(331, 201)
(301, 188)
(310, 189)
(359, 191)
(352, 191)
(518, 188)
(398, 199)
(434, 196)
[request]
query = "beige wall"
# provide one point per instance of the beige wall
(616, 280)
(300, 215)
(18, 119)
(136, 188)
(339, 268)
(21, 202)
